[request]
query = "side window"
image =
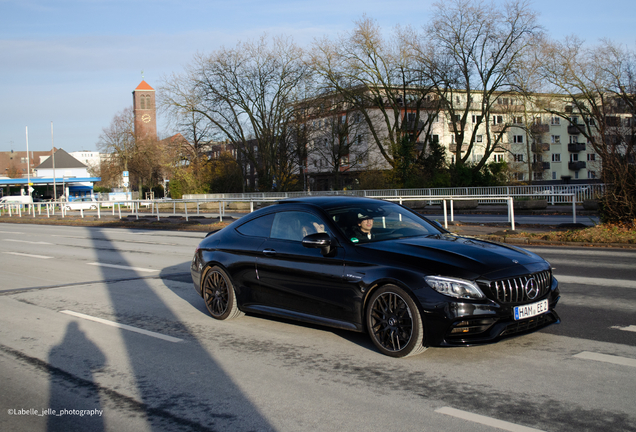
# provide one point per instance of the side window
(259, 227)
(294, 225)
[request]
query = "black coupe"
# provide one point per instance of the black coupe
(365, 264)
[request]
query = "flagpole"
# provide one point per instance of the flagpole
(53, 158)
(28, 163)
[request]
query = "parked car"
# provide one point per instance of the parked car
(85, 203)
(409, 283)
(16, 199)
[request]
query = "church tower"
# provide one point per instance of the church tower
(145, 112)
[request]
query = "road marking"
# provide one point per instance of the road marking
(10, 232)
(630, 328)
(122, 326)
(123, 267)
(584, 252)
(26, 241)
(618, 283)
(623, 361)
(29, 255)
(488, 421)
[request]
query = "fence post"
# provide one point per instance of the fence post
(445, 216)
(511, 213)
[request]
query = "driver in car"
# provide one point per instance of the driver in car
(362, 231)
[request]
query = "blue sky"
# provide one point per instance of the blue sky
(76, 62)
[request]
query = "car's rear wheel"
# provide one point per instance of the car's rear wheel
(394, 322)
(219, 295)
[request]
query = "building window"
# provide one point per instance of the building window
(591, 156)
(574, 157)
(555, 121)
(497, 120)
(519, 157)
(142, 102)
(518, 120)
(556, 139)
(576, 174)
(538, 176)
(477, 118)
(518, 176)
(479, 138)
(591, 174)
(518, 139)
(574, 120)
(574, 139)
(556, 157)
(554, 174)
(499, 158)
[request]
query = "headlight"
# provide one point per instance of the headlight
(458, 288)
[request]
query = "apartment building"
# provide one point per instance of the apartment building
(537, 144)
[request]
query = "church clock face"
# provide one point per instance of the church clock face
(146, 118)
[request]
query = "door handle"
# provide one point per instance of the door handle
(269, 252)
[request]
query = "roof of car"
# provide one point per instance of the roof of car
(327, 201)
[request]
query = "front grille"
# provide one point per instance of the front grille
(513, 290)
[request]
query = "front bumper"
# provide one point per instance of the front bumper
(464, 324)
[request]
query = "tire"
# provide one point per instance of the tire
(394, 322)
(218, 294)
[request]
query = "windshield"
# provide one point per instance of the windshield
(380, 221)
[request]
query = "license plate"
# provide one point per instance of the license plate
(534, 309)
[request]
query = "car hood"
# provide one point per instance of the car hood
(444, 253)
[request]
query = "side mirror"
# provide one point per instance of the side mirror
(319, 240)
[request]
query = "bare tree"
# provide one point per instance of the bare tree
(143, 159)
(470, 51)
(377, 79)
(247, 94)
(597, 85)
(118, 139)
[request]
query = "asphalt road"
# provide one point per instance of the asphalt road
(104, 327)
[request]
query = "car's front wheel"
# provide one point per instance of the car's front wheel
(394, 322)
(219, 295)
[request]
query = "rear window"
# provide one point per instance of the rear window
(259, 227)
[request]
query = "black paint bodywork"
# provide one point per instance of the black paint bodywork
(330, 286)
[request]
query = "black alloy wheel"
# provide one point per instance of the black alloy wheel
(394, 322)
(219, 296)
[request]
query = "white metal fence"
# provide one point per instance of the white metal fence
(554, 194)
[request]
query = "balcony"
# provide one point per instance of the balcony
(540, 147)
(575, 166)
(576, 147)
(538, 129)
(540, 166)
(453, 148)
(574, 129)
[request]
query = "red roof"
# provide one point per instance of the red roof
(144, 86)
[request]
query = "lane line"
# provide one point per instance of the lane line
(29, 255)
(622, 361)
(488, 421)
(600, 264)
(617, 283)
(123, 326)
(10, 232)
(549, 251)
(121, 267)
(631, 328)
(29, 242)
